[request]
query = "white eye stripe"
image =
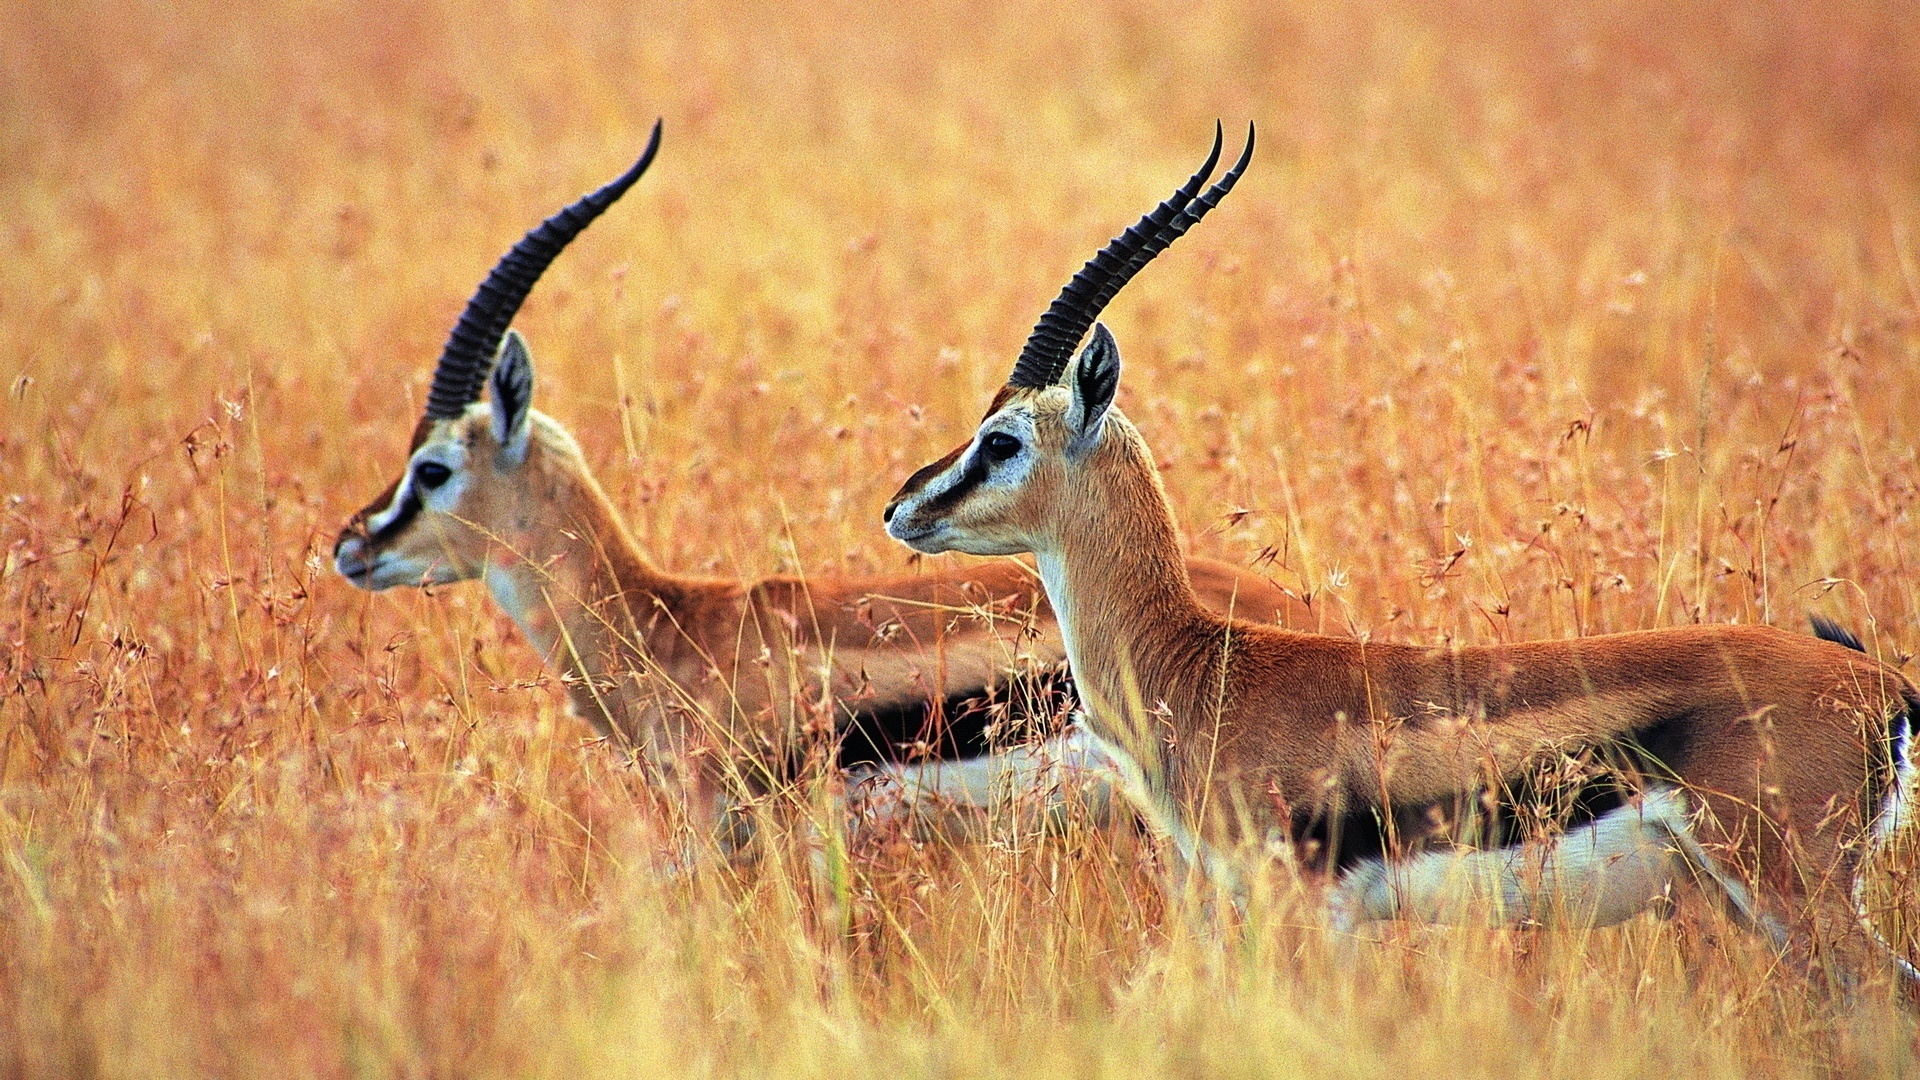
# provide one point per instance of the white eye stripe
(410, 495)
(384, 518)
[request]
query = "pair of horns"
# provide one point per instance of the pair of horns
(1049, 348)
(468, 357)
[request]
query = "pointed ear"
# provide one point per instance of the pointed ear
(1095, 378)
(513, 398)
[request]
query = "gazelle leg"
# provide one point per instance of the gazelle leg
(1032, 788)
(1804, 901)
(1028, 787)
(1199, 869)
(1896, 809)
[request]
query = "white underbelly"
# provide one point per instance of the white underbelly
(1604, 872)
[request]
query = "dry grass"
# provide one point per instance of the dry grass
(1530, 321)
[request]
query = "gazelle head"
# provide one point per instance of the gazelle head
(471, 481)
(1002, 492)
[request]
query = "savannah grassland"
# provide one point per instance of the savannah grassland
(1529, 321)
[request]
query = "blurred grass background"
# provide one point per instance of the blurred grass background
(1530, 320)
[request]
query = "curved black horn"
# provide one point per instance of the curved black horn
(1049, 348)
(469, 354)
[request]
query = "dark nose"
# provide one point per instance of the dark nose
(886, 516)
(355, 530)
(350, 562)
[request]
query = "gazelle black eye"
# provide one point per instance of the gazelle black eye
(430, 474)
(999, 446)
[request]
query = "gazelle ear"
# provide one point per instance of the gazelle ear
(1095, 379)
(513, 399)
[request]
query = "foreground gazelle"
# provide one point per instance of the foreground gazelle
(1763, 765)
(727, 673)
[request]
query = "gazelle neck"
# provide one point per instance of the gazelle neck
(582, 591)
(1117, 580)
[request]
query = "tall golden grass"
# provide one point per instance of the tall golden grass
(1531, 320)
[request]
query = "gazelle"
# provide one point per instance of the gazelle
(1764, 765)
(727, 673)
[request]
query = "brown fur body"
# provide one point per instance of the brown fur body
(1245, 732)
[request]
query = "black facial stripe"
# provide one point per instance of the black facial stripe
(409, 509)
(931, 469)
(972, 477)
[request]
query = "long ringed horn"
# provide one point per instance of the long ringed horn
(1049, 349)
(469, 353)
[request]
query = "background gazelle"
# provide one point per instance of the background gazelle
(1765, 765)
(724, 671)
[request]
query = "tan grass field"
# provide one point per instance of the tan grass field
(1531, 320)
